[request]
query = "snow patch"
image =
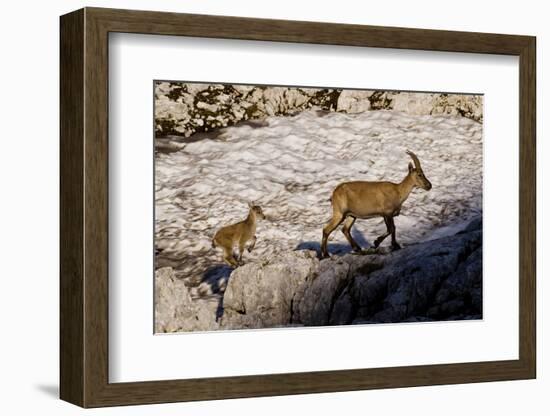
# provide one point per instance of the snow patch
(290, 165)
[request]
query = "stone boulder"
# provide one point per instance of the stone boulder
(175, 310)
(261, 295)
(354, 101)
(434, 280)
(430, 281)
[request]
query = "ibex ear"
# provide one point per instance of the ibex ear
(411, 167)
(250, 204)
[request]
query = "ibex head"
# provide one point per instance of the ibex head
(257, 210)
(417, 174)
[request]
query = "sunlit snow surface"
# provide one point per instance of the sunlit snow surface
(290, 165)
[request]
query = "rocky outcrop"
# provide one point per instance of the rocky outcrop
(262, 295)
(183, 109)
(175, 310)
(470, 106)
(431, 281)
(435, 280)
(438, 280)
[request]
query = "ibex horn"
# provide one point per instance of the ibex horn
(415, 160)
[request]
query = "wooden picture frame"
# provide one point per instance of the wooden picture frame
(84, 207)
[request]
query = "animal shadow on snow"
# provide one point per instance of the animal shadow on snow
(335, 248)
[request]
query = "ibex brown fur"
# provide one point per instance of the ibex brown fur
(361, 199)
(238, 235)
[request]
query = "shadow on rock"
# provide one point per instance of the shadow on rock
(214, 282)
(216, 277)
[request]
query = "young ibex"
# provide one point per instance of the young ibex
(238, 235)
(352, 200)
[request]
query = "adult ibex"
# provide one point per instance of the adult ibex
(360, 199)
(238, 235)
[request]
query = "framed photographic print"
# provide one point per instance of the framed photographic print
(255, 207)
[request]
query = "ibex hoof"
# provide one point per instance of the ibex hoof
(396, 246)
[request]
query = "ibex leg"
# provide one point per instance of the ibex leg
(241, 251)
(346, 229)
(229, 258)
(336, 220)
(394, 244)
(252, 245)
(389, 225)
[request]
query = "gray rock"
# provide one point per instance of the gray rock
(354, 101)
(421, 280)
(343, 309)
(260, 295)
(175, 310)
(186, 109)
(435, 280)
(315, 305)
